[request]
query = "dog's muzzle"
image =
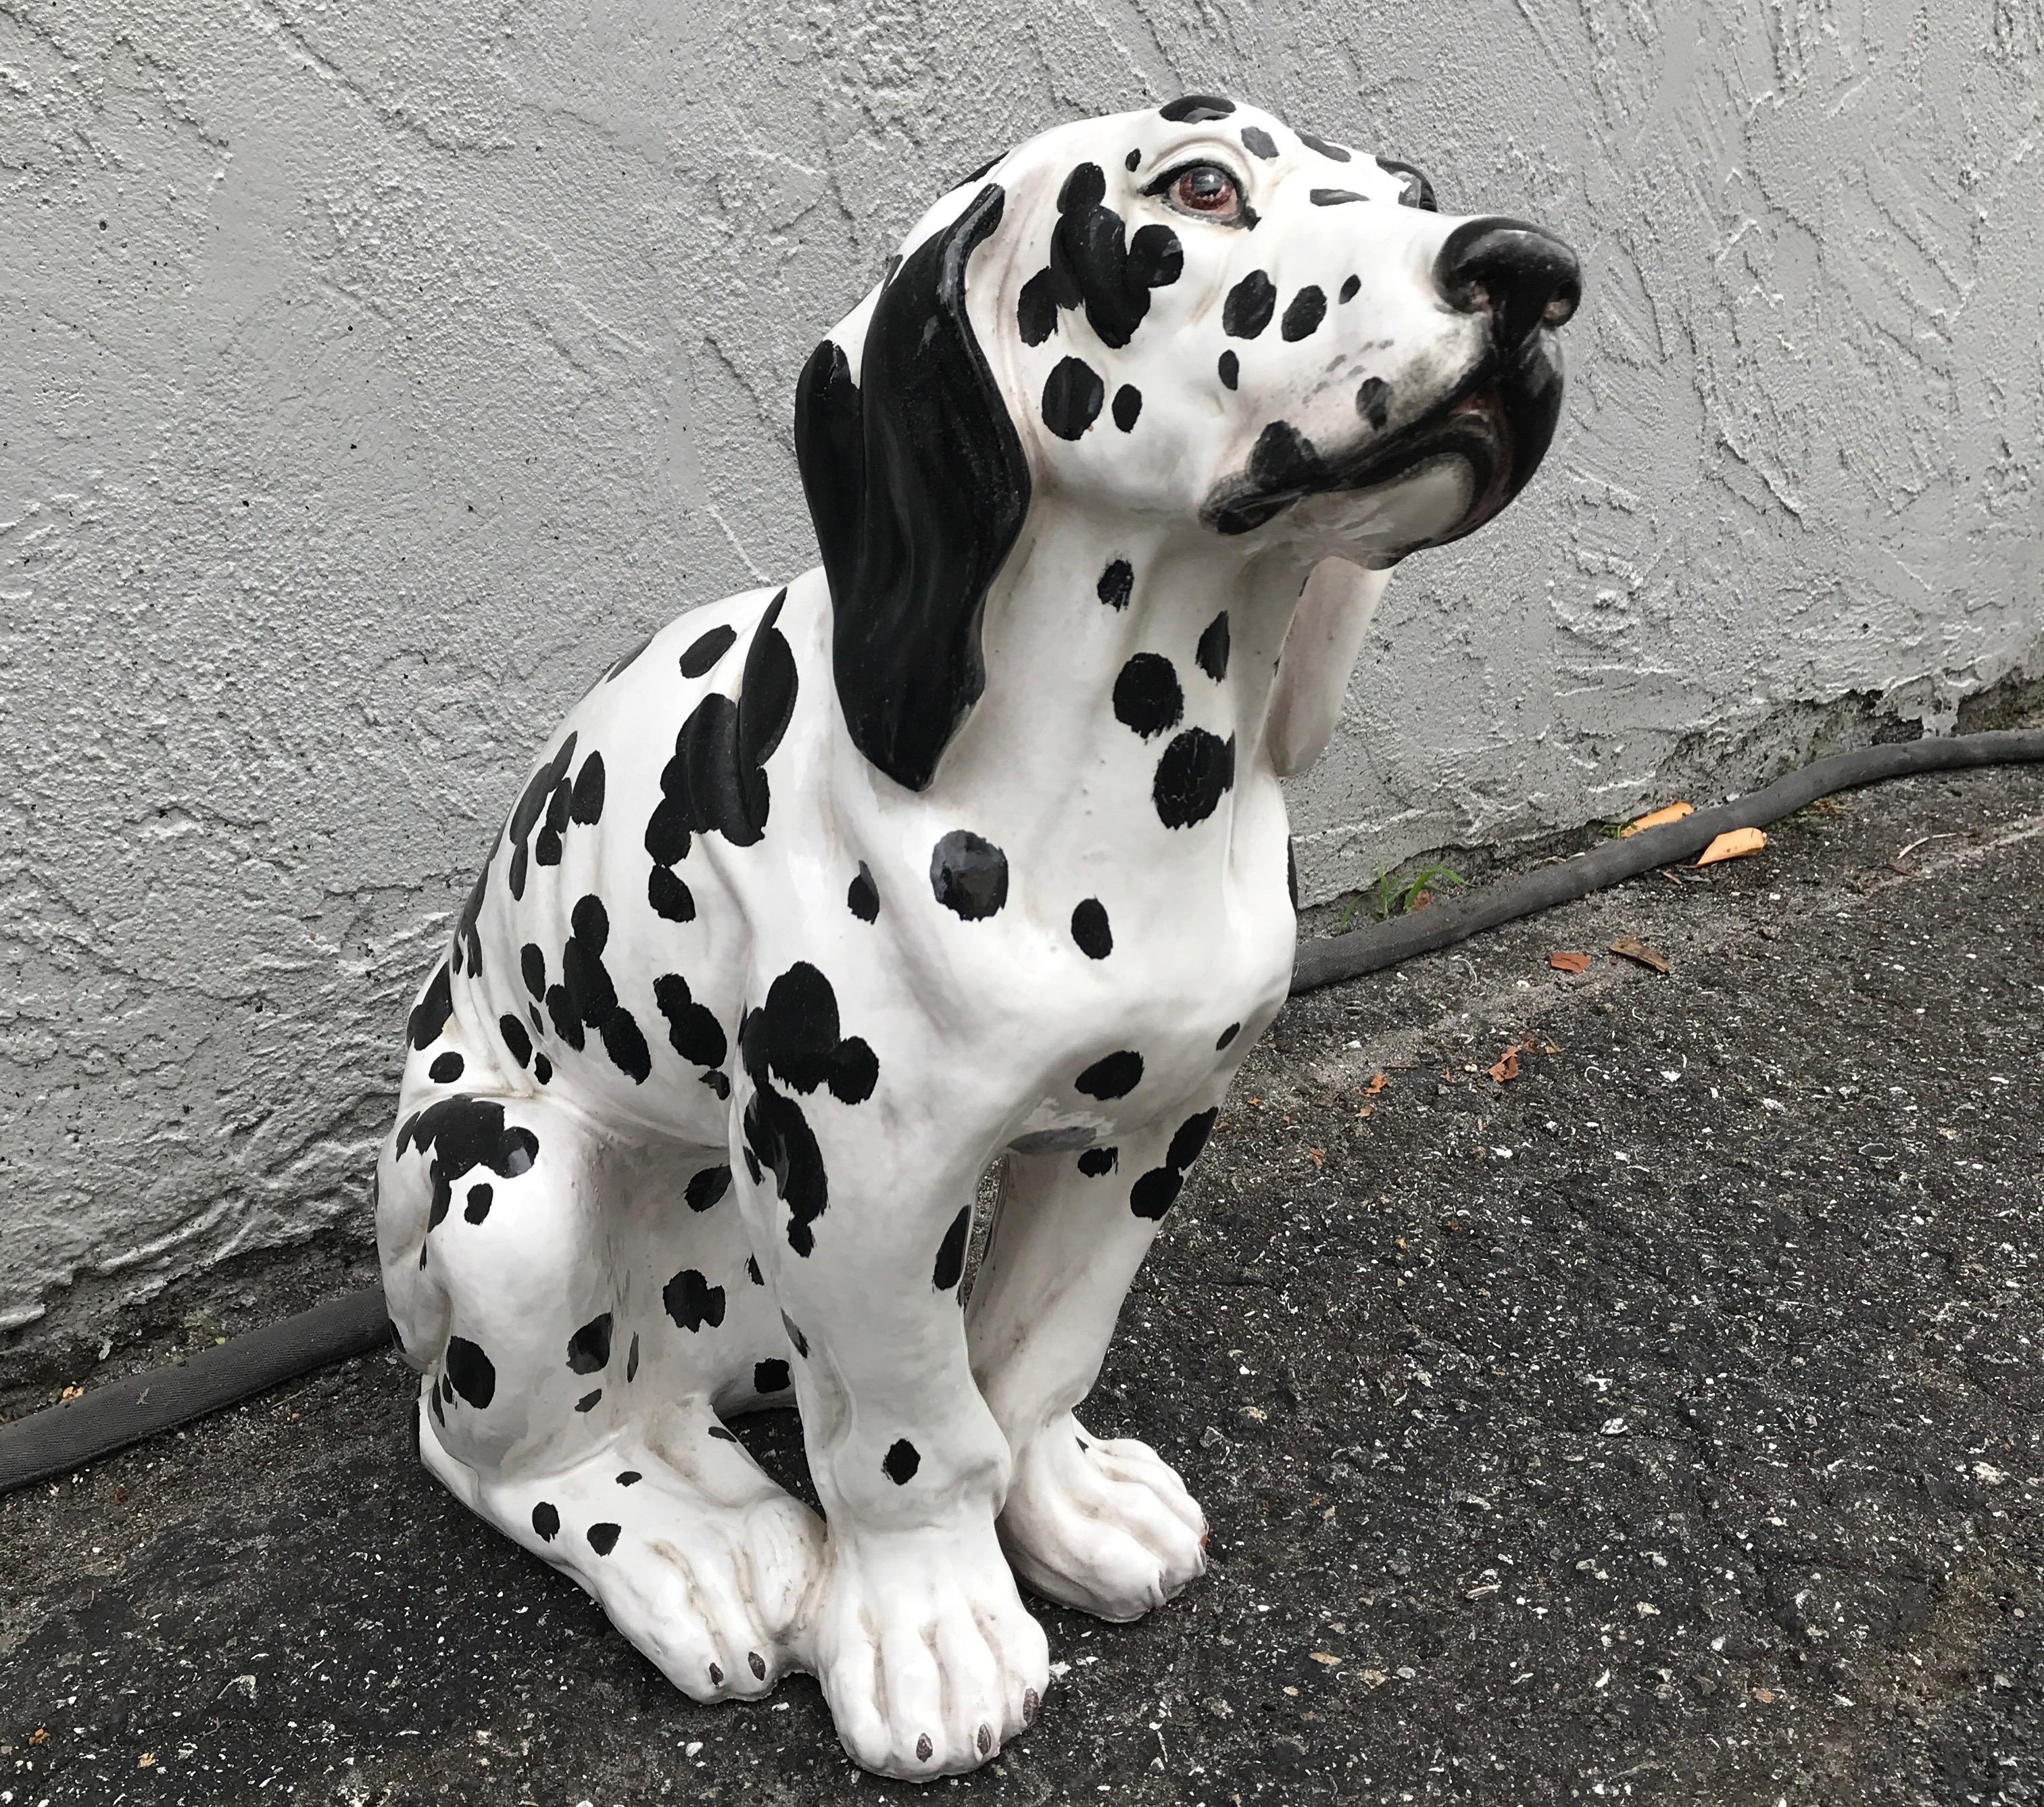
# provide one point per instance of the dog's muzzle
(1499, 419)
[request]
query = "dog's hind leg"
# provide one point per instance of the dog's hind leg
(569, 1384)
(1104, 1526)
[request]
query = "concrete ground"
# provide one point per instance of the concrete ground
(1664, 1423)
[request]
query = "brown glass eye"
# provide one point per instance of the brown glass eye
(1208, 190)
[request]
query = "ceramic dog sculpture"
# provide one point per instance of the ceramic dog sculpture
(967, 846)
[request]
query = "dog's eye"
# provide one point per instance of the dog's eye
(1207, 191)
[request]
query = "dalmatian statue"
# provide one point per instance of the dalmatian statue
(966, 847)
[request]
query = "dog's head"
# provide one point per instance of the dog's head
(1195, 314)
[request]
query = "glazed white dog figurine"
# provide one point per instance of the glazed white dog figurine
(967, 845)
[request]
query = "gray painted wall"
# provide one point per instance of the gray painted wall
(369, 375)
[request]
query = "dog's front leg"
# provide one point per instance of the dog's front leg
(858, 1187)
(1104, 1525)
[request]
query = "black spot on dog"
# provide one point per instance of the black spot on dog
(1292, 876)
(1339, 155)
(968, 875)
(439, 1410)
(1154, 1192)
(629, 1477)
(1373, 402)
(542, 1069)
(1334, 197)
(1147, 696)
(950, 1267)
(1036, 308)
(670, 896)
(796, 1340)
(587, 999)
(1131, 160)
(752, 1273)
(1231, 370)
(1227, 1035)
(694, 1031)
(1072, 396)
(589, 1348)
(1283, 466)
(1211, 652)
(1113, 1075)
(517, 1044)
(1084, 187)
(1117, 585)
(1189, 1139)
(1090, 929)
(715, 783)
(706, 649)
(536, 801)
(1128, 407)
(446, 1067)
(1094, 266)
(1192, 109)
(1195, 773)
(1302, 318)
(462, 1133)
(723, 1436)
(585, 806)
(1258, 142)
(793, 1038)
(862, 898)
(692, 1302)
(546, 1521)
(1097, 1163)
(430, 1015)
(603, 1538)
(751, 1165)
(532, 967)
(1350, 287)
(632, 1360)
(480, 1198)
(718, 1083)
(467, 952)
(772, 1376)
(470, 1372)
(1249, 306)
(706, 1186)
(902, 1462)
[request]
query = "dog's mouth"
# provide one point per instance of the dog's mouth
(1497, 421)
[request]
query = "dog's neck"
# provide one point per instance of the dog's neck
(1085, 592)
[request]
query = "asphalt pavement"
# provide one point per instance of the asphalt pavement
(1652, 1412)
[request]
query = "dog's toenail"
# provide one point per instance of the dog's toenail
(923, 1748)
(985, 1739)
(759, 1663)
(1032, 1704)
(716, 1676)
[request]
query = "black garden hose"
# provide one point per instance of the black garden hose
(1327, 960)
(62, 1438)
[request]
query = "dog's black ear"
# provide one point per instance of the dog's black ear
(917, 485)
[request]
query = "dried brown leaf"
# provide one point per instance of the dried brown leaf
(1570, 962)
(1631, 947)
(1734, 844)
(1657, 818)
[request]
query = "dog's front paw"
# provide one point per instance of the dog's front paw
(928, 1659)
(1106, 1527)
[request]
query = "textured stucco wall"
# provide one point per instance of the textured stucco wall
(370, 372)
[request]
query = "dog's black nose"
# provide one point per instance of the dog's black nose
(1522, 277)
